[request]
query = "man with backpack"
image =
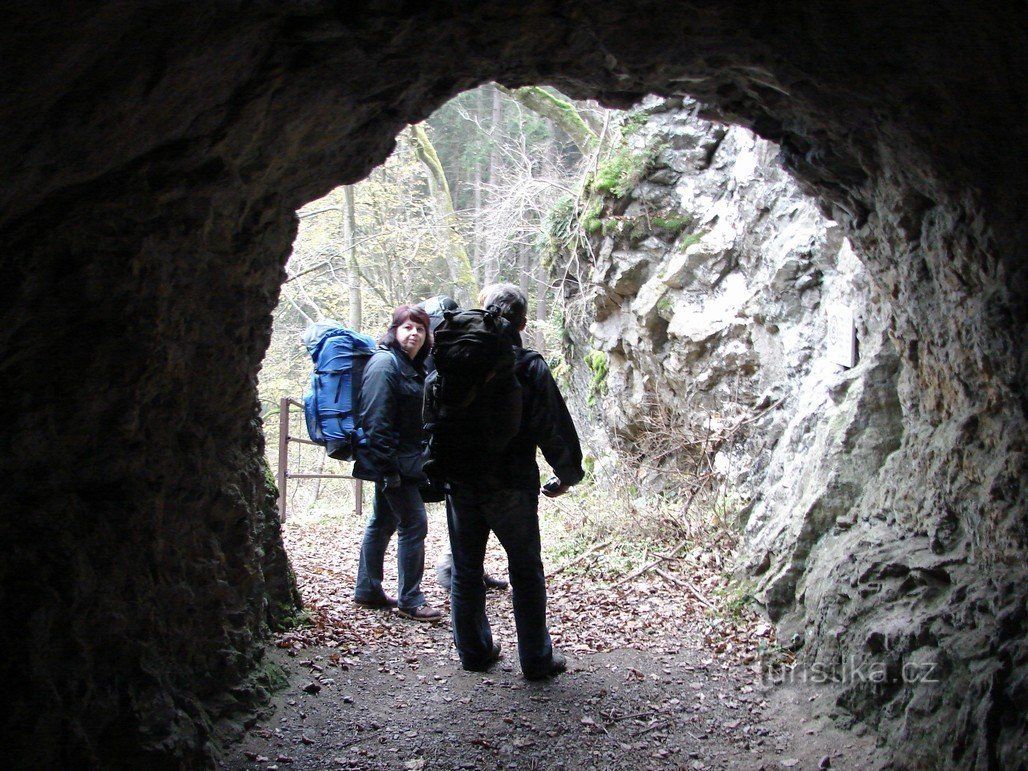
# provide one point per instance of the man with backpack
(495, 488)
(436, 308)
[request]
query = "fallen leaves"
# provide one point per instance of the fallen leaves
(589, 612)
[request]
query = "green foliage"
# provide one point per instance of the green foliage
(689, 240)
(737, 598)
(288, 617)
(561, 370)
(633, 121)
(666, 306)
(565, 224)
(559, 318)
(636, 228)
(613, 226)
(592, 217)
(673, 223)
(622, 171)
(599, 364)
(265, 679)
(567, 545)
(560, 222)
(270, 483)
(589, 465)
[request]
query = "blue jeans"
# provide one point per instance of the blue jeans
(396, 510)
(514, 516)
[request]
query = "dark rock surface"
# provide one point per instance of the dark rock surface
(153, 156)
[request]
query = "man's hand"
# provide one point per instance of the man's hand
(554, 487)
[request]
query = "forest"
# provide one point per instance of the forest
(483, 191)
(517, 186)
(463, 201)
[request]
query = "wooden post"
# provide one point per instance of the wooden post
(283, 455)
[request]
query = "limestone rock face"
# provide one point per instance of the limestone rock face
(726, 320)
(725, 328)
(153, 157)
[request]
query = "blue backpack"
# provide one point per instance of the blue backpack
(330, 403)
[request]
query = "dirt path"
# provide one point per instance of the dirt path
(646, 688)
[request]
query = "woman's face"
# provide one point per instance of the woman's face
(411, 336)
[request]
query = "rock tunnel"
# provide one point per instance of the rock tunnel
(153, 157)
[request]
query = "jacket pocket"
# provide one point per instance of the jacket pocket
(410, 463)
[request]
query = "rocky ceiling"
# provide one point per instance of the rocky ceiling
(153, 156)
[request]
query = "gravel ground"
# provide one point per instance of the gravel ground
(624, 709)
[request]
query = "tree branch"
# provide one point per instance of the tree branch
(560, 111)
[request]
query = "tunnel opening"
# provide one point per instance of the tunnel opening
(147, 208)
(648, 562)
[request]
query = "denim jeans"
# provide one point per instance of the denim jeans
(396, 510)
(513, 515)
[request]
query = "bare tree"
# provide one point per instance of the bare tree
(350, 250)
(457, 261)
(562, 112)
(525, 186)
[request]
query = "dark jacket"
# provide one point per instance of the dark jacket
(392, 391)
(545, 423)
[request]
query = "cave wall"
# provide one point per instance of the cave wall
(153, 157)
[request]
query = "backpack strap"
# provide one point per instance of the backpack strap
(396, 361)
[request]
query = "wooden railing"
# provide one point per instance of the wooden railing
(284, 474)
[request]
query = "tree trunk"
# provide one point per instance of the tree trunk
(491, 264)
(356, 313)
(457, 262)
(478, 236)
(561, 112)
(540, 307)
(525, 271)
(350, 252)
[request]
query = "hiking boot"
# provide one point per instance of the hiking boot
(492, 658)
(424, 613)
(384, 603)
(491, 582)
(558, 665)
(444, 575)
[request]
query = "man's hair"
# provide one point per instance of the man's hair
(418, 316)
(510, 299)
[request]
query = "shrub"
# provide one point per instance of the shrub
(599, 364)
(621, 172)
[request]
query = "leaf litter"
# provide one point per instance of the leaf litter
(656, 679)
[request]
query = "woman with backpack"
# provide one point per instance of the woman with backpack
(392, 390)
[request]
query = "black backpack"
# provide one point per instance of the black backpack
(473, 399)
(436, 308)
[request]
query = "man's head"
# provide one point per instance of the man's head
(434, 306)
(509, 299)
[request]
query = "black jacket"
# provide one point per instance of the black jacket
(391, 397)
(545, 423)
